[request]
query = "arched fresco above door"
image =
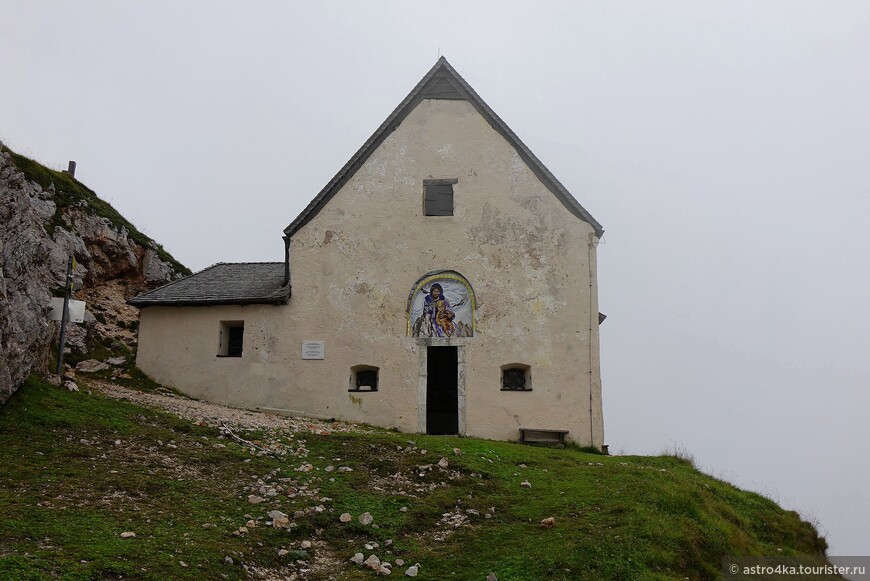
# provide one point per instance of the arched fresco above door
(441, 304)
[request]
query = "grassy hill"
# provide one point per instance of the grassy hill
(79, 468)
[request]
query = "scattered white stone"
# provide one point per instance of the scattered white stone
(366, 518)
(254, 499)
(71, 385)
(403, 509)
(128, 535)
(345, 517)
(283, 552)
(330, 468)
(306, 544)
(250, 524)
(412, 571)
(384, 570)
(457, 452)
(491, 577)
(368, 546)
(388, 542)
(279, 519)
(372, 563)
(299, 514)
(183, 564)
(116, 361)
(91, 366)
(526, 483)
(400, 562)
(228, 560)
(443, 463)
(357, 558)
(548, 523)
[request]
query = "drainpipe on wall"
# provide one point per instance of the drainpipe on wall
(286, 260)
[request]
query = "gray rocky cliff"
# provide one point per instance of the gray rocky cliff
(46, 216)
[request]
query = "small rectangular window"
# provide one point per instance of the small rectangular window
(438, 199)
(232, 339)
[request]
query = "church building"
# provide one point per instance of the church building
(443, 282)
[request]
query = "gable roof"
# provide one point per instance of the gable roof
(235, 283)
(441, 82)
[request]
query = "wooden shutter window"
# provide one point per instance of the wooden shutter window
(439, 197)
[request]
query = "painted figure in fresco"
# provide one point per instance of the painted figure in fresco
(438, 311)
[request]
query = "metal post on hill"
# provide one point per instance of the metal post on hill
(70, 267)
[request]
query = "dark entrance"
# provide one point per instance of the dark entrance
(442, 395)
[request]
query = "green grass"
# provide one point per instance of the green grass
(69, 192)
(67, 491)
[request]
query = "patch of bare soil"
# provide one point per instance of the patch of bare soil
(215, 415)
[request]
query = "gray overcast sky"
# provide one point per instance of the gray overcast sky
(725, 147)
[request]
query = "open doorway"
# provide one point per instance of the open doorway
(442, 393)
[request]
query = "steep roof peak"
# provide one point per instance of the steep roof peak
(441, 82)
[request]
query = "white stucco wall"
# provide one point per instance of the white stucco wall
(530, 261)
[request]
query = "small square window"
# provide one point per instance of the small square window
(363, 378)
(438, 199)
(516, 377)
(367, 380)
(232, 339)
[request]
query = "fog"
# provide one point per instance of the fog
(723, 147)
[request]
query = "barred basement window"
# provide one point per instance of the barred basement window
(516, 377)
(438, 199)
(231, 338)
(363, 378)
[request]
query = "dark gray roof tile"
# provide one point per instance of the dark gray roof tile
(235, 283)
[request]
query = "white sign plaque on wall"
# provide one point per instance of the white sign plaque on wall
(313, 349)
(76, 310)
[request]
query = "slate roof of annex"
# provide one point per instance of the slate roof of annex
(225, 283)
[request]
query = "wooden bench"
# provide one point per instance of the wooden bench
(539, 436)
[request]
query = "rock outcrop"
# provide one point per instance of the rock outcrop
(46, 216)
